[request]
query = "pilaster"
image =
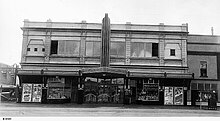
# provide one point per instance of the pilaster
(128, 43)
(82, 42)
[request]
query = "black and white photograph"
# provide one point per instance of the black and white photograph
(109, 60)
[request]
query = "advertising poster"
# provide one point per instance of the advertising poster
(26, 93)
(168, 96)
(178, 95)
(37, 93)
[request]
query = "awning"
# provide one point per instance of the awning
(48, 72)
(161, 75)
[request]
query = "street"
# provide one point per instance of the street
(91, 110)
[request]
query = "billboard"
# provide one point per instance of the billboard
(178, 95)
(37, 93)
(31, 92)
(168, 96)
(27, 92)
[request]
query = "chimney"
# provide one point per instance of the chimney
(212, 31)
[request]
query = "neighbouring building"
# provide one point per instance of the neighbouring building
(204, 61)
(64, 62)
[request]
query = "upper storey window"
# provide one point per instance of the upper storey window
(93, 48)
(172, 51)
(117, 49)
(141, 49)
(35, 46)
(65, 47)
(203, 69)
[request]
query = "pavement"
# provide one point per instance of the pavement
(13, 109)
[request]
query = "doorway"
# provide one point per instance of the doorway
(104, 90)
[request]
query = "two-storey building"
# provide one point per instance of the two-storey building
(203, 61)
(104, 63)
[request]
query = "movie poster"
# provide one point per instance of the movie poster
(168, 96)
(178, 95)
(27, 92)
(37, 93)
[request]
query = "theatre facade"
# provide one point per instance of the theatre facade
(65, 62)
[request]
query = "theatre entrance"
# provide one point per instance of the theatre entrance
(104, 90)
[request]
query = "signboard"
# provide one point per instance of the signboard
(27, 92)
(37, 93)
(178, 95)
(168, 96)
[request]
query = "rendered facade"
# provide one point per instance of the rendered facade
(65, 62)
(203, 61)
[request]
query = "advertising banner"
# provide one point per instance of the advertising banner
(178, 95)
(37, 93)
(168, 96)
(27, 93)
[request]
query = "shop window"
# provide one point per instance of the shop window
(93, 48)
(28, 49)
(54, 47)
(207, 86)
(203, 69)
(213, 86)
(193, 86)
(57, 89)
(140, 49)
(172, 52)
(117, 49)
(200, 86)
(148, 90)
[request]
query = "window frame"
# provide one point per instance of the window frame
(117, 55)
(93, 43)
(153, 53)
(203, 71)
(172, 52)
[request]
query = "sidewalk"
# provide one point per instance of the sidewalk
(74, 105)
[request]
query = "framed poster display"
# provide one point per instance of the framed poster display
(168, 96)
(178, 95)
(37, 93)
(26, 92)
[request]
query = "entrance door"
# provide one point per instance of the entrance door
(104, 90)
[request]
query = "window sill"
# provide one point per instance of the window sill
(203, 76)
(173, 59)
(37, 55)
(65, 56)
(145, 58)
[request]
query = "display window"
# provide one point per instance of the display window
(58, 88)
(148, 91)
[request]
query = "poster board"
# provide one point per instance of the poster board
(37, 93)
(178, 95)
(168, 96)
(26, 92)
